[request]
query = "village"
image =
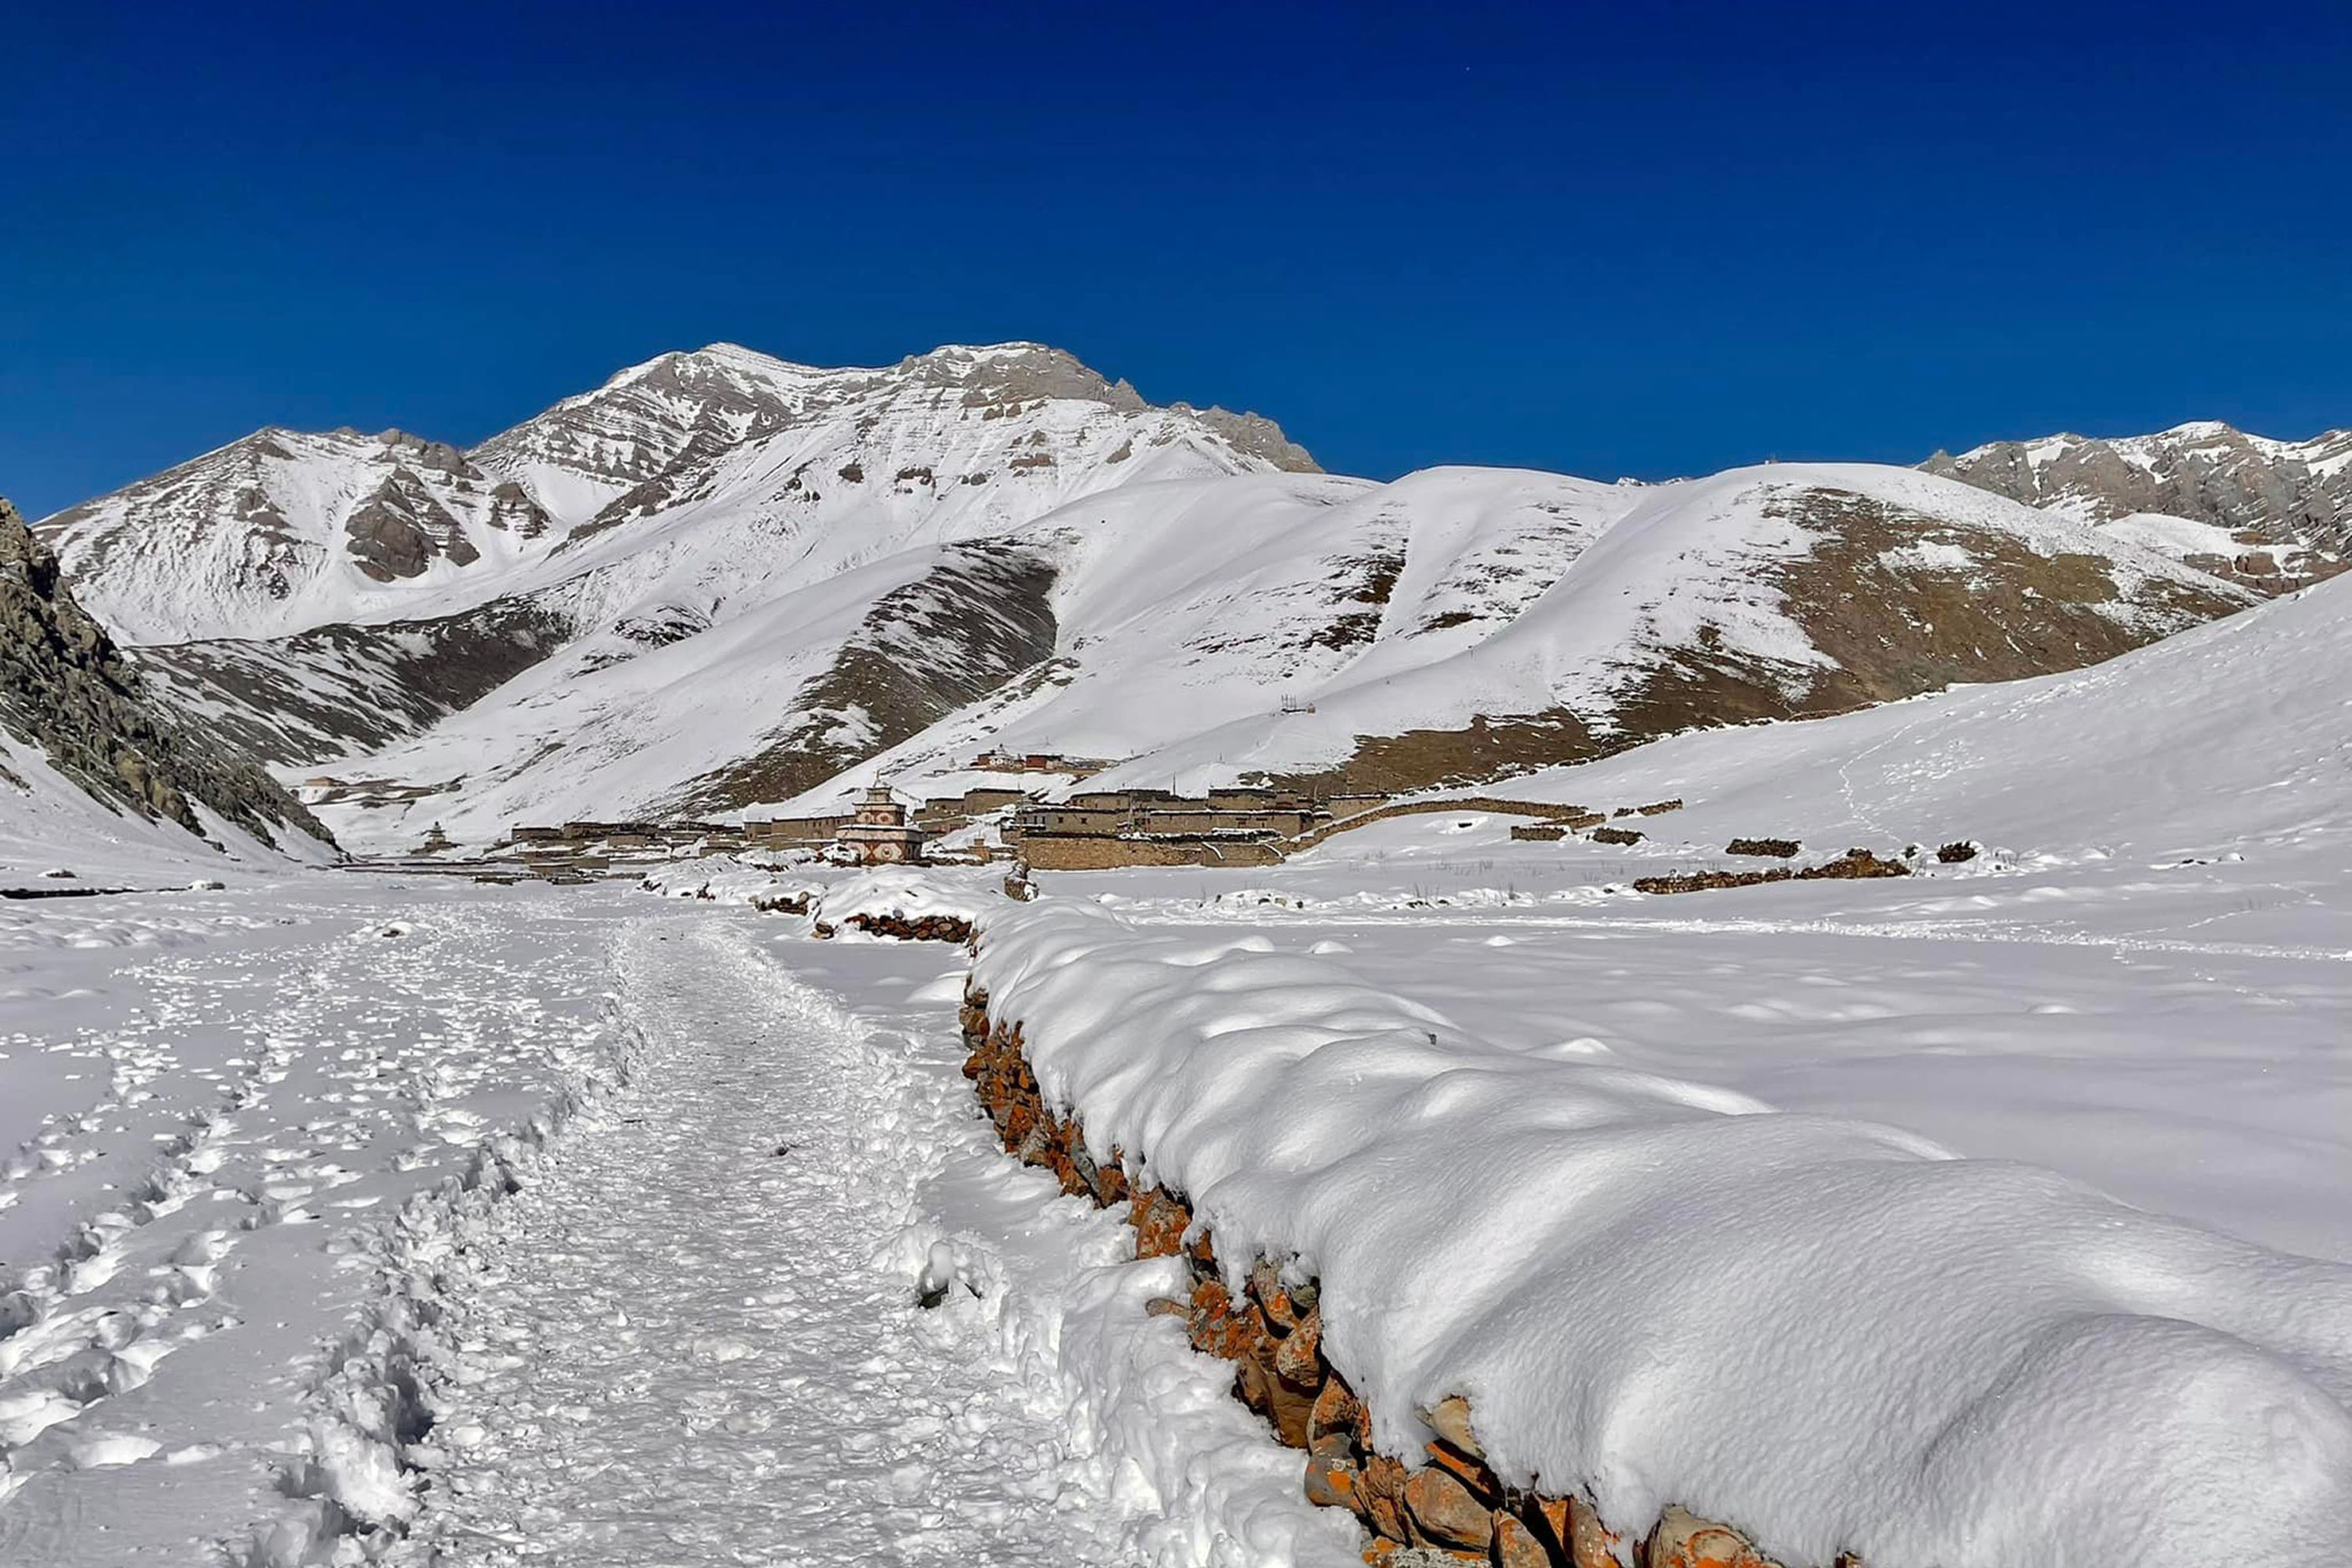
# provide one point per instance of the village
(1237, 826)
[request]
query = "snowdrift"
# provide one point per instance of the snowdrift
(944, 901)
(961, 894)
(1835, 1336)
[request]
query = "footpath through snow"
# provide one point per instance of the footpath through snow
(696, 1336)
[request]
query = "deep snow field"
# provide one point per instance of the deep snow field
(354, 1217)
(357, 1217)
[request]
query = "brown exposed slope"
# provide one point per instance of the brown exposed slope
(979, 618)
(336, 688)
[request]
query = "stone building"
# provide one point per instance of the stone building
(880, 832)
(1096, 829)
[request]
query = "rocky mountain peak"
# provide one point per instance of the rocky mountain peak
(2273, 513)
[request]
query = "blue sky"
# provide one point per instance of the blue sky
(1641, 239)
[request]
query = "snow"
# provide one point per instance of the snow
(738, 879)
(231, 1116)
(1185, 612)
(364, 1219)
(49, 823)
(178, 557)
(2175, 536)
(1037, 1415)
(909, 892)
(186, 554)
(1930, 557)
(1915, 1341)
(1523, 1123)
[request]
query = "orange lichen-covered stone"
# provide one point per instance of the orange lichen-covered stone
(1682, 1540)
(1332, 1483)
(1590, 1544)
(1442, 1511)
(1517, 1546)
(1299, 1355)
(1158, 1222)
(1291, 1408)
(1331, 1424)
(1468, 1471)
(1381, 1486)
(1450, 1419)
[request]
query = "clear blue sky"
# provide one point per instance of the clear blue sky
(1645, 239)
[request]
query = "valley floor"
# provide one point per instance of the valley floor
(355, 1219)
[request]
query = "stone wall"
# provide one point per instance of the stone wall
(1852, 866)
(1095, 852)
(1433, 808)
(1446, 1500)
(921, 928)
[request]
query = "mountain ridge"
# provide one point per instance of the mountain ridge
(747, 584)
(2273, 514)
(283, 530)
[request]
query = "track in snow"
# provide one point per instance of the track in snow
(682, 1347)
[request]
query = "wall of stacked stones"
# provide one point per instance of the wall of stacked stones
(1445, 1500)
(1091, 852)
(905, 928)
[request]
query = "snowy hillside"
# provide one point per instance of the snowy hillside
(1772, 592)
(283, 530)
(2221, 740)
(2204, 490)
(56, 838)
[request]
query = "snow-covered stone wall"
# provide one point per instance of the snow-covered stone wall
(1503, 1300)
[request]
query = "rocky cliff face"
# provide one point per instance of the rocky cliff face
(2270, 514)
(68, 690)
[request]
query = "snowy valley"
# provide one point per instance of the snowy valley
(998, 549)
(1804, 1017)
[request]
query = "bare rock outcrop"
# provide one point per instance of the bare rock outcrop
(65, 688)
(2287, 504)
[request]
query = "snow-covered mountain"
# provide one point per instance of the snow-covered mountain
(632, 446)
(1462, 624)
(88, 764)
(2273, 514)
(723, 582)
(280, 532)
(283, 530)
(1454, 626)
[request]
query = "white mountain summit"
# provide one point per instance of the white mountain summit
(282, 531)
